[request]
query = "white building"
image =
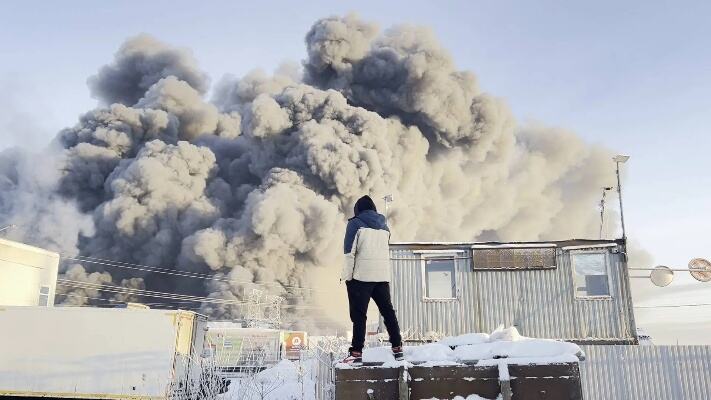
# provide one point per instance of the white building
(28, 275)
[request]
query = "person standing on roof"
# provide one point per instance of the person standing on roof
(367, 274)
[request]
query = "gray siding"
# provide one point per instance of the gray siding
(646, 372)
(540, 303)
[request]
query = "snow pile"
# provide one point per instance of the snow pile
(503, 344)
(526, 347)
(429, 352)
(469, 338)
(505, 334)
(285, 381)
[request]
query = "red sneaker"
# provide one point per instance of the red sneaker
(398, 354)
(354, 358)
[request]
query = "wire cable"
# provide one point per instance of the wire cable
(185, 274)
(162, 295)
(116, 301)
(145, 293)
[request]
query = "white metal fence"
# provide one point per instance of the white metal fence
(327, 351)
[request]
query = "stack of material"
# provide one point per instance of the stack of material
(501, 364)
(502, 346)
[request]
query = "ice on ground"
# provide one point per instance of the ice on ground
(469, 338)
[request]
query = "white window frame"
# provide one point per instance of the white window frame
(591, 250)
(441, 255)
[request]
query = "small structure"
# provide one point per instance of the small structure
(575, 290)
(28, 275)
(237, 349)
(100, 353)
(559, 381)
(502, 363)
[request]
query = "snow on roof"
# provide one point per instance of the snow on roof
(469, 338)
(505, 346)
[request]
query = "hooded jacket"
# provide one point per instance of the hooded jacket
(366, 248)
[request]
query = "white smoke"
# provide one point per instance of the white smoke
(256, 184)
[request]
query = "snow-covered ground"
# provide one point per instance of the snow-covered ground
(295, 380)
(285, 381)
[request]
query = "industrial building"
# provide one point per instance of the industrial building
(28, 275)
(572, 290)
(106, 353)
(576, 290)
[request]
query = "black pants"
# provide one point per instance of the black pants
(359, 295)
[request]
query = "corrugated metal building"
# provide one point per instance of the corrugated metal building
(576, 290)
(646, 372)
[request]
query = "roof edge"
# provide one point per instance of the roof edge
(558, 243)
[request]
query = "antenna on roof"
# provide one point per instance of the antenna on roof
(620, 159)
(602, 208)
(700, 269)
(388, 198)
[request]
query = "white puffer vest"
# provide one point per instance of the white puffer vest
(369, 259)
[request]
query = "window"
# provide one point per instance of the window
(440, 277)
(590, 273)
(514, 258)
(43, 296)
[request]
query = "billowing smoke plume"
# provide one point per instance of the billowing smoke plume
(255, 185)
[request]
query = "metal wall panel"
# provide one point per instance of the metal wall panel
(540, 303)
(646, 372)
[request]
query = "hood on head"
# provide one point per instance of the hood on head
(363, 204)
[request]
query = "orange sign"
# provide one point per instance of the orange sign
(294, 342)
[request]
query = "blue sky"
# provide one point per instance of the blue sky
(635, 77)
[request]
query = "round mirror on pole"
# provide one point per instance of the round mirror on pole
(661, 276)
(700, 269)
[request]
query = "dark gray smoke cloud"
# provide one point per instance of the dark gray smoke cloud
(255, 185)
(140, 63)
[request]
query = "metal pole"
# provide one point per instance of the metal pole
(619, 194)
(387, 199)
(602, 211)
